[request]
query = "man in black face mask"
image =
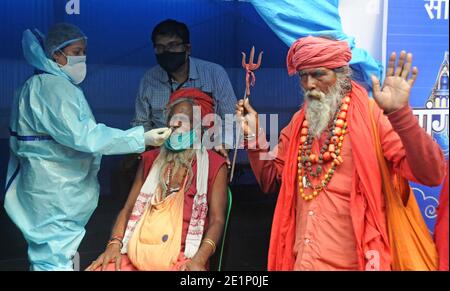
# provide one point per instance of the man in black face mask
(177, 69)
(172, 54)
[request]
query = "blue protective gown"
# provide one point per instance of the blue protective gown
(55, 151)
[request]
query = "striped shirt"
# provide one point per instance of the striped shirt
(155, 89)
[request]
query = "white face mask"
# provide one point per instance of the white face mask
(75, 68)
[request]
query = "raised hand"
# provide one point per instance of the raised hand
(397, 84)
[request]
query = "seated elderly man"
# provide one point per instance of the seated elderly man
(175, 213)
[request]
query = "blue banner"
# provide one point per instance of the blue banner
(421, 27)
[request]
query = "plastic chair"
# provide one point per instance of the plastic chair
(229, 204)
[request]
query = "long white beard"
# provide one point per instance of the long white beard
(177, 160)
(321, 107)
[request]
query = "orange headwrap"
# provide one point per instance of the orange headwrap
(199, 97)
(315, 52)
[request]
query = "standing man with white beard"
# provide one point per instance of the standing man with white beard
(330, 213)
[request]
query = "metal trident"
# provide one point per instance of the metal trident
(250, 80)
(250, 67)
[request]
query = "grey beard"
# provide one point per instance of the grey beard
(320, 112)
(178, 160)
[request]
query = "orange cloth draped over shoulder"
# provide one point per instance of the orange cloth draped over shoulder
(366, 197)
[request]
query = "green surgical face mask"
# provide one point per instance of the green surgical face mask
(179, 142)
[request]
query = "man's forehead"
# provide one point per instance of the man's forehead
(182, 108)
(312, 70)
(166, 39)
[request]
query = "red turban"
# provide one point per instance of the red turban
(199, 97)
(315, 52)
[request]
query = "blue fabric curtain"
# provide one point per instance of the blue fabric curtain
(293, 19)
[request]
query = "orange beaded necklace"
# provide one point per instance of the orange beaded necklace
(330, 152)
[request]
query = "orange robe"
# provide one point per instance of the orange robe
(341, 227)
(156, 240)
(441, 228)
(325, 239)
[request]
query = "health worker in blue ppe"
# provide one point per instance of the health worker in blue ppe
(56, 147)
